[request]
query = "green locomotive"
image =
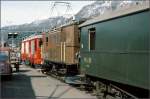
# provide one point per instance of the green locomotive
(115, 50)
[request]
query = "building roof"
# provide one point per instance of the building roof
(117, 13)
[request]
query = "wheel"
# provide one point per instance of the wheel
(43, 71)
(9, 77)
(17, 69)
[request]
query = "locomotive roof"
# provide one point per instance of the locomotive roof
(32, 37)
(58, 29)
(117, 13)
(69, 23)
(64, 25)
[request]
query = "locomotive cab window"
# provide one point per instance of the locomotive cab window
(92, 37)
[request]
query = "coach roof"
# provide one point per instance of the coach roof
(32, 37)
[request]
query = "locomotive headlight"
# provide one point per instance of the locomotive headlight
(42, 62)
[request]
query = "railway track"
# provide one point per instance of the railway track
(106, 92)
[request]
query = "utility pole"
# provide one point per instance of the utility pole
(1, 40)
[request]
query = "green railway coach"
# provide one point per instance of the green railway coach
(115, 46)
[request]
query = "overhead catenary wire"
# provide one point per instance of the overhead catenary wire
(67, 5)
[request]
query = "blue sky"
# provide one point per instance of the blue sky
(20, 12)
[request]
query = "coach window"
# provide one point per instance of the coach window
(92, 37)
(79, 36)
(46, 41)
(40, 42)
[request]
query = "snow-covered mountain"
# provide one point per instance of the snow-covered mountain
(100, 7)
(95, 9)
